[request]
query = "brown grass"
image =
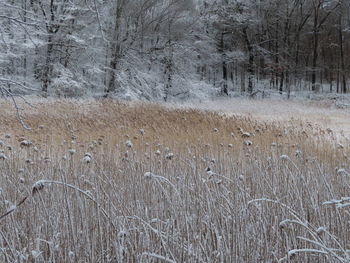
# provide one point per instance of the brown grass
(111, 212)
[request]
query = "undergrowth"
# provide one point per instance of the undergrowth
(107, 181)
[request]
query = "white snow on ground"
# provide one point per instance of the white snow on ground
(319, 113)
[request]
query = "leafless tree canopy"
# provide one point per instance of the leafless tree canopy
(160, 49)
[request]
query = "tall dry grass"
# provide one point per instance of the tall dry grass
(109, 181)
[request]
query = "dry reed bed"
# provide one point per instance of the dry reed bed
(145, 192)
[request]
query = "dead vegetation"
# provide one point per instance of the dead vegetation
(106, 181)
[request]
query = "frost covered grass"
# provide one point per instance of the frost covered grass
(106, 181)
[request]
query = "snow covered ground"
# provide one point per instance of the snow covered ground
(322, 113)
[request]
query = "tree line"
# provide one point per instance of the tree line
(159, 49)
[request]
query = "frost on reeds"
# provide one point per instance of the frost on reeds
(148, 175)
(284, 157)
(38, 186)
(342, 171)
(180, 196)
(87, 158)
(129, 144)
(245, 135)
(248, 143)
(72, 151)
(2, 156)
(169, 156)
(25, 143)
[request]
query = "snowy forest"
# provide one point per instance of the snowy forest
(173, 49)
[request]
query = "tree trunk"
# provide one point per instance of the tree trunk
(338, 77)
(243, 80)
(314, 59)
(342, 64)
(276, 55)
(46, 78)
(24, 7)
(169, 78)
(224, 89)
(250, 69)
(288, 82)
(115, 50)
(281, 82)
(224, 75)
(67, 49)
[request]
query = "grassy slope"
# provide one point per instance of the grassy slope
(182, 213)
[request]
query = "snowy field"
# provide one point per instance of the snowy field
(323, 113)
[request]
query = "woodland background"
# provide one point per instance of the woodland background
(173, 49)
